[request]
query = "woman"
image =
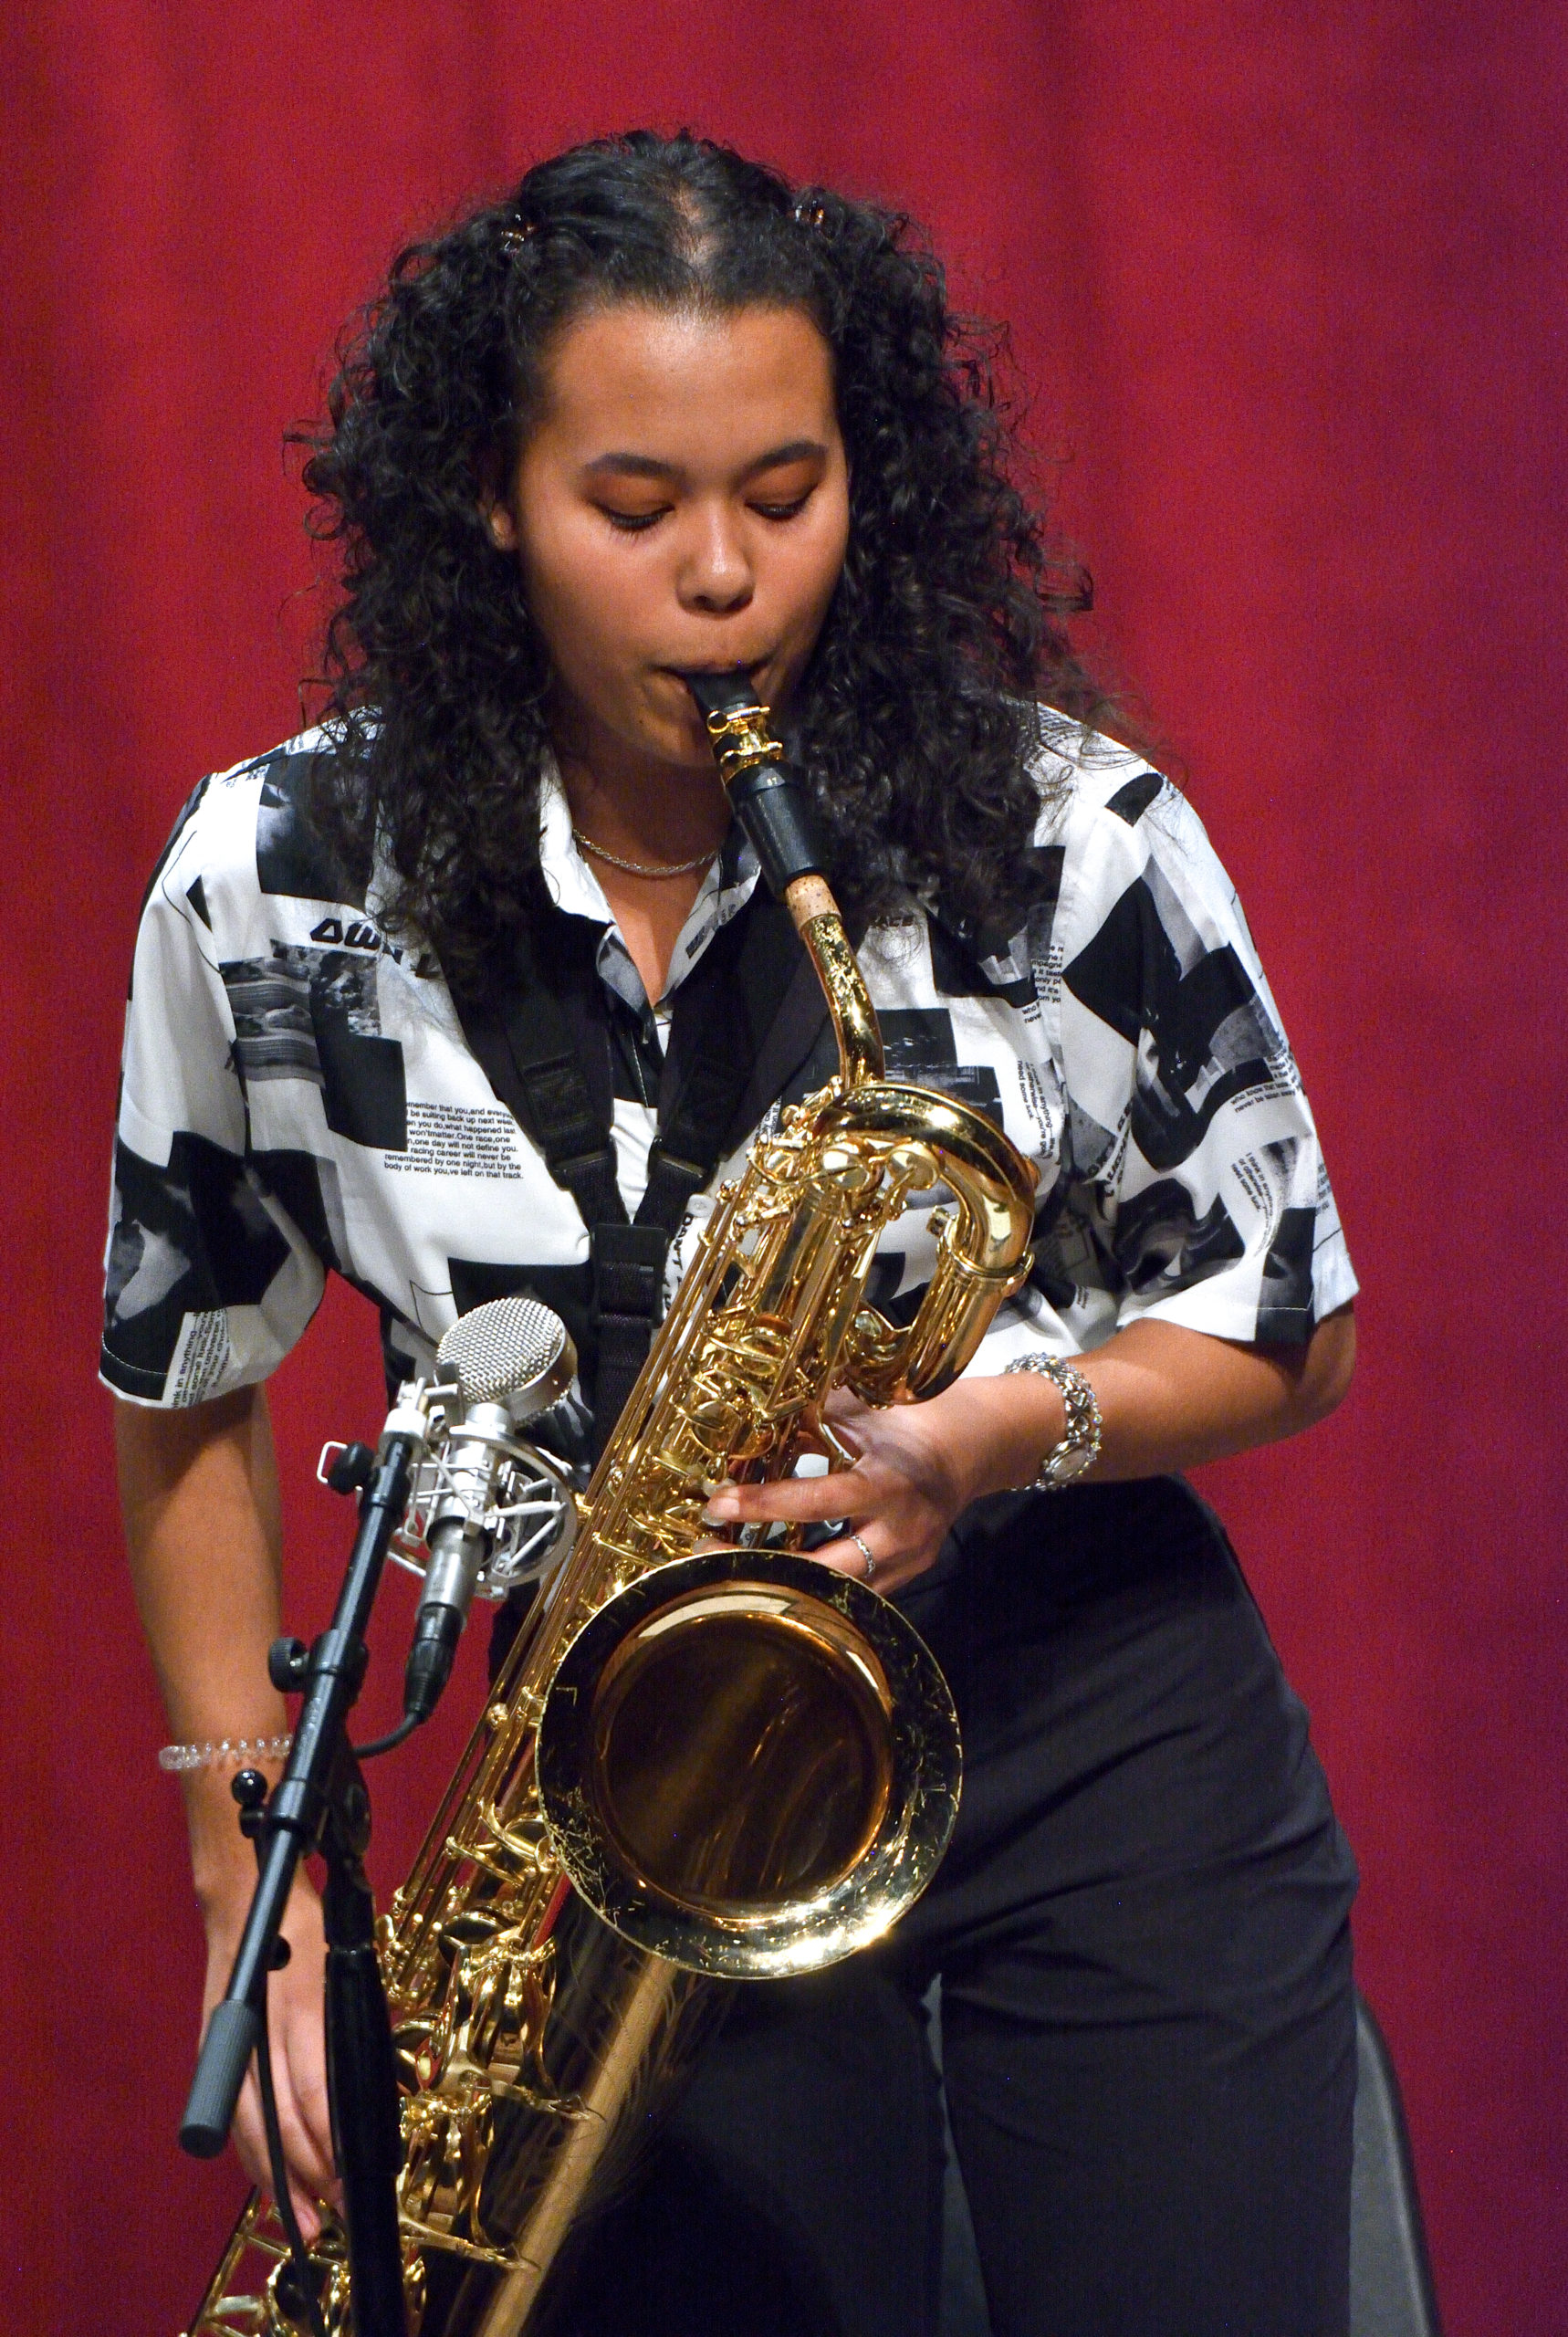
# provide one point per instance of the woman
(651, 414)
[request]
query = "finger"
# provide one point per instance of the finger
(893, 1566)
(305, 2052)
(835, 1429)
(846, 1556)
(248, 2135)
(306, 2204)
(843, 1407)
(309, 2164)
(799, 1500)
(309, 2178)
(888, 1570)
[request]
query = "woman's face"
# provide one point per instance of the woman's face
(682, 501)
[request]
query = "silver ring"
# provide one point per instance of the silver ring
(869, 1561)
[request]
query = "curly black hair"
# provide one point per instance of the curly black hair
(919, 711)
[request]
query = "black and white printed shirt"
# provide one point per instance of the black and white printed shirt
(299, 1097)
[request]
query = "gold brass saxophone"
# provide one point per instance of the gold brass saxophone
(698, 1764)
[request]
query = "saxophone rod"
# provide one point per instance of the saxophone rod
(769, 799)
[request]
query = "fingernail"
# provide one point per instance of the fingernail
(723, 1507)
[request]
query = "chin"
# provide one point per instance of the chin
(671, 742)
(675, 737)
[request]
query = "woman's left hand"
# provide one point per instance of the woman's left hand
(1169, 1399)
(917, 1466)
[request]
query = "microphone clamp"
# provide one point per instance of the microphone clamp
(486, 1508)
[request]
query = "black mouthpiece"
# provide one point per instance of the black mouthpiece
(726, 692)
(768, 799)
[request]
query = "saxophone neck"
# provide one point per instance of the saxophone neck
(769, 800)
(821, 929)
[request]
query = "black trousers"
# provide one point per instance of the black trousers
(1142, 1934)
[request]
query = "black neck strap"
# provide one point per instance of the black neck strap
(744, 1019)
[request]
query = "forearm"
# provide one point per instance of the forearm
(199, 1492)
(1170, 1399)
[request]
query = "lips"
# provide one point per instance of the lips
(717, 665)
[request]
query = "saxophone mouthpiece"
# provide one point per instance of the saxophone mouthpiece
(724, 694)
(767, 796)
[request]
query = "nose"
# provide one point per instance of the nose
(716, 572)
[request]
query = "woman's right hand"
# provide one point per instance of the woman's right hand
(199, 1486)
(295, 2003)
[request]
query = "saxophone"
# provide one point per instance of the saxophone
(698, 1764)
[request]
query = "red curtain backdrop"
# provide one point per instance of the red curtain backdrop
(1287, 284)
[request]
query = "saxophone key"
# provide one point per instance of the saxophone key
(447, 2141)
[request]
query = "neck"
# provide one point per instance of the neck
(635, 805)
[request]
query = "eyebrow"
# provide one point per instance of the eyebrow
(630, 466)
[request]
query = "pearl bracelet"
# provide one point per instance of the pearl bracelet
(177, 1758)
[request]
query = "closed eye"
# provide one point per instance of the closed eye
(633, 523)
(637, 523)
(784, 511)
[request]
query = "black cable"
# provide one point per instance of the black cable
(394, 1737)
(305, 2272)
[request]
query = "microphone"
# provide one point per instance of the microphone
(510, 1360)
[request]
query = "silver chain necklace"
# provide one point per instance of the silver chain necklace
(635, 867)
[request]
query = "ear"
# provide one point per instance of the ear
(503, 526)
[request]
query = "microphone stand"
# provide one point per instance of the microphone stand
(320, 1804)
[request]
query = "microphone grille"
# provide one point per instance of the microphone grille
(505, 1345)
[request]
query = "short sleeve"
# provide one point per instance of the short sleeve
(208, 1281)
(1192, 1168)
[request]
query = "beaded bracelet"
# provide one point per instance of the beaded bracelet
(212, 1755)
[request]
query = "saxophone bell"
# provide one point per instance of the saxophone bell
(748, 1764)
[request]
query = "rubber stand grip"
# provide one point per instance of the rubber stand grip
(231, 2039)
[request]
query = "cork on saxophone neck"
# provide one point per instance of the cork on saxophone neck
(809, 898)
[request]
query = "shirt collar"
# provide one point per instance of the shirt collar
(728, 885)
